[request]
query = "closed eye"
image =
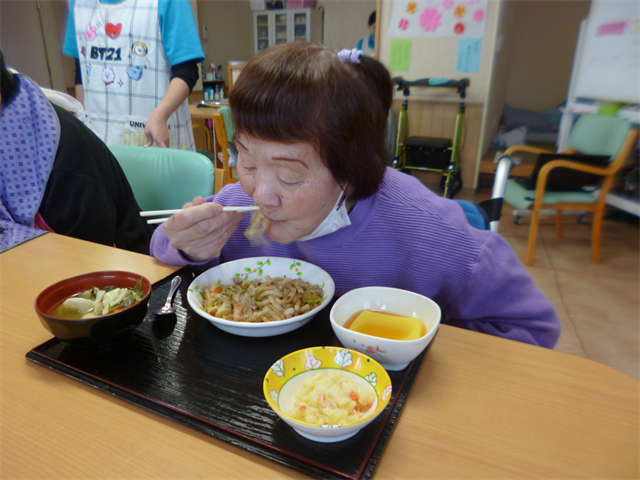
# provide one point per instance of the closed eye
(288, 182)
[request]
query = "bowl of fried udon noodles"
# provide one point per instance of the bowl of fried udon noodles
(261, 296)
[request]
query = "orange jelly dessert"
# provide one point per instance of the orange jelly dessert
(378, 323)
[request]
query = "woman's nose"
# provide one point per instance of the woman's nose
(264, 195)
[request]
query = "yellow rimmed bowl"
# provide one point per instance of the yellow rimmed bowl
(285, 378)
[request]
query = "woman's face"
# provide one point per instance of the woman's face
(289, 183)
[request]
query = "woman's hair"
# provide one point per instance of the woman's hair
(301, 92)
(9, 84)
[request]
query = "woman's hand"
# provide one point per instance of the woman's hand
(156, 130)
(201, 229)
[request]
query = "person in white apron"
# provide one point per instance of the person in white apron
(137, 64)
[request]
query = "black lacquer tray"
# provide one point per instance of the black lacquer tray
(184, 368)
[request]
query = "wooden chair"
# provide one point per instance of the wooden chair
(203, 137)
(234, 73)
(205, 146)
(592, 135)
(227, 175)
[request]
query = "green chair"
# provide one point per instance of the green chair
(591, 135)
(165, 178)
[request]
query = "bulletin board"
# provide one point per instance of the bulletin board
(609, 62)
(446, 18)
(455, 41)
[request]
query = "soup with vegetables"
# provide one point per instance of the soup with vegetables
(97, 302)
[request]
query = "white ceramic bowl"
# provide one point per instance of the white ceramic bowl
(259, 267)
(285, 378)
(391, 354)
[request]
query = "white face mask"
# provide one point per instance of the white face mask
(338, 218)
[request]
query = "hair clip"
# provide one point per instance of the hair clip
(350, 55)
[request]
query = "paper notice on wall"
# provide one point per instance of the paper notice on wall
(442, 18)
(400, 55)
(468, 58)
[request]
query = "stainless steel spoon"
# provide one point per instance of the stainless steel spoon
(168, 308)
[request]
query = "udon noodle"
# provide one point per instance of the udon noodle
(259, 300)
(255, 230)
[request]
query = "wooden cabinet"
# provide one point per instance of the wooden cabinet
(272, 27)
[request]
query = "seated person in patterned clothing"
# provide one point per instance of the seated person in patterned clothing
(56, 175)
(312, 156)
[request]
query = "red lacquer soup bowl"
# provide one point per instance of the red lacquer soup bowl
(98, 329)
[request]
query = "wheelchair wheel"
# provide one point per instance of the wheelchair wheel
(455, 185)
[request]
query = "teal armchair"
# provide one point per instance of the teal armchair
(165, 178)
(591, 135)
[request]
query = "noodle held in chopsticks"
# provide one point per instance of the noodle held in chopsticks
(255, 230)
(260, 300)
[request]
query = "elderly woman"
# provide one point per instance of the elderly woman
(310, 136)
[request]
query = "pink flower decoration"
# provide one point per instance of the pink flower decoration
(478, 15)
(386, 392)
(312, 363)
(411, 7)
(459, 11)
(370, 349)
(447, 4)
(403, 24)
(458, 28)
(430, 19)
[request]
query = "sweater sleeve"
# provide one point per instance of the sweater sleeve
(501, 299)
(162, 250)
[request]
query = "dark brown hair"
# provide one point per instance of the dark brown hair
(300, 92)
(8, 85)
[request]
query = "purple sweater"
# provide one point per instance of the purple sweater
(407, 237)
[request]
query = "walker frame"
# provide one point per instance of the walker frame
(451, 181)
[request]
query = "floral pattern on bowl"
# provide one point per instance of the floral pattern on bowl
(262, 268)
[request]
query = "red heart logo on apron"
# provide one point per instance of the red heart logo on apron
(113, 30)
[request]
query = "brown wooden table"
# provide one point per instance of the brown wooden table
(480, 407)
(202, 113)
